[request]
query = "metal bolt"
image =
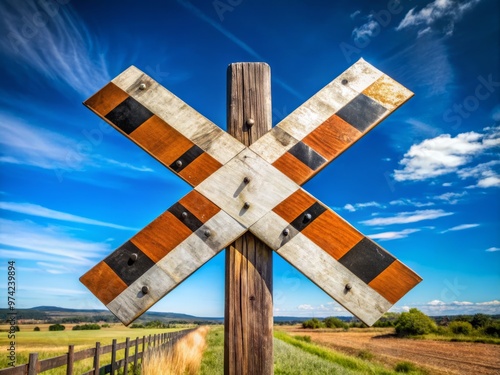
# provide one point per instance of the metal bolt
(250, 122)
(345, 81)
(142, 86)
(133, 257)
(307, 217)
(246, 180)
(286, 232)
(145, 289)
(348, 286)
(184, 215)
(178, 163)
(246, 205)
(207, 233)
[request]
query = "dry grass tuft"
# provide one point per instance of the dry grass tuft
(183, 359)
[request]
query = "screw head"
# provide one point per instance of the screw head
(133, 257)
(145, 289)
(246, 180)
(207, 233)
(184, 215)
(142, 86)
(250, 122)
(345, 81)
(178, 163)
(348, 286)
(307, 217)
(246, 205)
(286, 232)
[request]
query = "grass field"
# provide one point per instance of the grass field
(51, 344)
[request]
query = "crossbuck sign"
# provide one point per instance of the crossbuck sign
(257, 189)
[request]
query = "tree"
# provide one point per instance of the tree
(312, 323)
(414, 322)
(57, 327)
(36, 329)
(460, 328)
(480, 320)
(333, 322)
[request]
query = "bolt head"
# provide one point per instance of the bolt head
(207, 233)
(286, 232)
(348, 286)
(178, 163)
(246, 180)
(142, 86)
(184, 215)
(246, 205)
(307, 217)
(133, 257)
(250, 122)
(345, 81)
(145, 289)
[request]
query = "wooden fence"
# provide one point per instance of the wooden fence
(36, 366)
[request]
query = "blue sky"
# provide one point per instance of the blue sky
(424, 184)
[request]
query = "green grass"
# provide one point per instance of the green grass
(52, 344)
(212, 362)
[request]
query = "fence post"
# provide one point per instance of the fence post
(96, 357)
(33, 364)
(125, 366)
(136, 354)
(113, 357)
(71, 359)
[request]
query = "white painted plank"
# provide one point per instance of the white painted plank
(132, 302)
(179, 115)
(269, 229)
(332, 277)
(273, 144)
(227, 189)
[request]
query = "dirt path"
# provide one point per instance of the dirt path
(439, 357)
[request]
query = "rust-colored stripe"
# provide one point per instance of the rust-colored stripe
(161, 140)
(103, 283)
(332, 137)
(294, 205)
(199, 169)
(388, 92)
(334, 235)
(161, 236)
(293, 168)
(395, 281)
(199, 206)
(106, 99)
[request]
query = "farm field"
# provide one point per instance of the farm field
(438, 357)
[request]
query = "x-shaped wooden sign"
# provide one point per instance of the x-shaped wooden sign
(256, 189)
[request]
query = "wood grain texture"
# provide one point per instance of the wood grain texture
(199, 206)
(273, 144)
(179, 115)
(103, 282)
(199, 169)
(266, 187)
(388, 92)
(248, 318)
(269, 229)
(332, 277)
(293, 168)
(395, 281)
(106, 99)
(294, 205)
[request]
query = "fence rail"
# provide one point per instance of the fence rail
(36, 366)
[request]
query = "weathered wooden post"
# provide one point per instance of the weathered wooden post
(248, 318)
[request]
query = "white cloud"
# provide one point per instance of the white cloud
(305, 307)
(410, 202)
(445, 154)
(354, 207)
(61, 48)
(407, 217)
(40, 211)
(387, 236)
(366, 31)
(439, 15)
(50, 241)
(451, 197)
(438, 307)
(354, 14)
(461, 227)
(493, 249)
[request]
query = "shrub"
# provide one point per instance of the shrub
(87, 327)
(105, 325)
(312, 323)
(36, 329)
(57, 327)
(480, 320)
(136, 325)
(492, 329)
(460, 328)
(414, 322)
(332, 322)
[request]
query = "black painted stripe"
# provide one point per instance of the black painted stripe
(189, 220)
(307, 155)
(302, 221)
(361, 112)
(367, 260)
(129, 115)
(185, 159)
(121, 263)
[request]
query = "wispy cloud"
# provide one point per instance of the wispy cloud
(446, 154)
(461, 227)
(58, 45)
(51, 241)
(357, 206)
(388, 236)
(240, 43)
(407, 217)
(366, 30)
(439, 307)
(40, 211)
(410, 202)
(493, 249)
(437, 16)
